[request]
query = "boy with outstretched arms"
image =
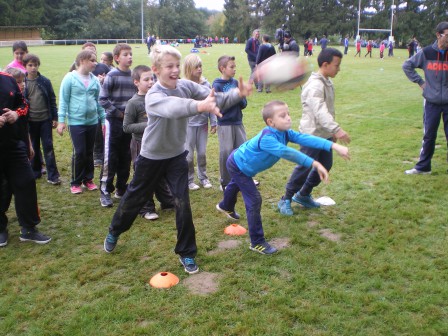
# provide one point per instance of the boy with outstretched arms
(318, 118)
(262, 152)
(169, 104)
(117, 89)
(135, 121)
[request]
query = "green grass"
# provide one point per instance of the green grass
(386, 276)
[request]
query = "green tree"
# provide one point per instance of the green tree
(72, 18)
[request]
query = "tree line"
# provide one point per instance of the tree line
(102, 19)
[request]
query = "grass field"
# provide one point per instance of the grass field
(376, 263)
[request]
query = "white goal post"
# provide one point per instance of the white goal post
(391, 36)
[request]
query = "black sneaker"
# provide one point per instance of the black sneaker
(106, 200)
(110, 242)
(230, 214)
(263, 248)
(34, 236)
(189, 265)
(56, 181)
(3, 238)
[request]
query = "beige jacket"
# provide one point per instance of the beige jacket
(318, 107)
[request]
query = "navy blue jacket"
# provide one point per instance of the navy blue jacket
(45, 86)
(251, 49)
(265, 51)
(233, 115)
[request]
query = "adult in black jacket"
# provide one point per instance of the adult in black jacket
(290, 44)
(265, 51)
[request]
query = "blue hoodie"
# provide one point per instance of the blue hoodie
(234, 114)
(78, 104)
(270, 145)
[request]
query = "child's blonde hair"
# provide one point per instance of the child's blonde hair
(268, 110)
(158, 52)
(191, 63)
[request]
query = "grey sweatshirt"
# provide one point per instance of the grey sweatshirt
(434, 63)
(168, 111)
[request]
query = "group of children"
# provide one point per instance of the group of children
(158, 119)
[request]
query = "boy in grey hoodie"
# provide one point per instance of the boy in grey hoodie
(433, 59)
(169, 104)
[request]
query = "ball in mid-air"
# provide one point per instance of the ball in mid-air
(283, 71)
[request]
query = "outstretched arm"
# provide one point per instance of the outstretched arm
(341, 150)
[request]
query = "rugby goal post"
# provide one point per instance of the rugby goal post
(391, 36)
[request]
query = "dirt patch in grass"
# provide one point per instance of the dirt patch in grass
(280, 243)
(225, 245)
(202, 283)
(312, 224)
(326, 233)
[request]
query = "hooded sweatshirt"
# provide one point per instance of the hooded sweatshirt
(318, 115)
(434, 63)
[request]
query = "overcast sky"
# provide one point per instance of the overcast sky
(210, 4)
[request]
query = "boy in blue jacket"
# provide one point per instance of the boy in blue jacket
(231, 132)
(261, 153)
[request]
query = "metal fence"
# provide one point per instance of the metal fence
(81, 42)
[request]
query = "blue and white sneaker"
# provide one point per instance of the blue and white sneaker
(110, 242)
(230, 214)
(189, 265)
(306, 201)
(284, 206)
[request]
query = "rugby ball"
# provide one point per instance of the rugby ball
(284, 71)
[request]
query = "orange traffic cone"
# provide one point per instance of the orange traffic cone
(235, 230)
(164, 280)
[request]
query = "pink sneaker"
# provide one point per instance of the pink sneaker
(76, 189)
(90, 185)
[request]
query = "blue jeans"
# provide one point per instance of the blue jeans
(431, 122)
(304, 179)
(251, 196)
(43, 131)
(147, 175)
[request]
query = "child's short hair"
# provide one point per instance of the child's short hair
(224, 60)
(88, 44)
(266, 38)
(268, 110)
(119, 48)
(83, 55)
(31, 58)
(109, 56)
(19, 45)
(16, 73)
(138, 70)
(191, 62)
(158, 52)
(326, 56)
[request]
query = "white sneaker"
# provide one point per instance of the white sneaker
(414, 171)
(151, 216)
(256, 182)
(193, 186)
(206, 184)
